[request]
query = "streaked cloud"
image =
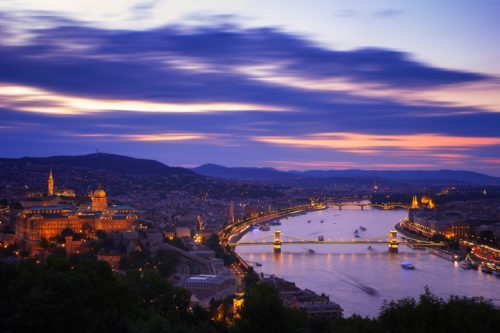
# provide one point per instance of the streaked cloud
(233, 94)
(30, 99)
(349, 141)
(478, 95)
(307, 165)
(165, 137)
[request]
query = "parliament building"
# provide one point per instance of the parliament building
(38, 222)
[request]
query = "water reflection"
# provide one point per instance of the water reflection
(340, 270)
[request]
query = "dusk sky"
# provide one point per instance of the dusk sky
(286, 84)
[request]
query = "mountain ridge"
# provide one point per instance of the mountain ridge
(111, 162)
(252, 173)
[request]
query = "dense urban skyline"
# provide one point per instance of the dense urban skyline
(361, 84)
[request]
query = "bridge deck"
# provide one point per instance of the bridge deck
(334, 242)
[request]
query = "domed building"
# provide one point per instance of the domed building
(35, 223)
(99, 200)
(425, 200)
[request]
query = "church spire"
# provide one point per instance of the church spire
(414, 202)
(50, 190)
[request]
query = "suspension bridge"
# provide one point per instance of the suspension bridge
(363, 204)
(277, 240)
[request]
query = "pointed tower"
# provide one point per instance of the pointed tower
(414, 202)
(432, 205)
(50, 183)
(231, 212)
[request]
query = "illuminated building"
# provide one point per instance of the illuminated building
(207, 287)
(238, 300)
(231, 212)
(432, 205)
(99, 200)
(50, 184)
(36, 223)
(68, 193)
(414, 202)
(427, 202)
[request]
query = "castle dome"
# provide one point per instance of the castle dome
(99, 193)
(425, 200)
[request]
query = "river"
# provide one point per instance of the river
(338, 270)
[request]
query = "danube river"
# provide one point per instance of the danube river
(340, 270)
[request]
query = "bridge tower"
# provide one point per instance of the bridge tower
(277, 241)
(393, 241)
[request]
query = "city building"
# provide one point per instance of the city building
(207, 287)
(315, 306)
(38, 222)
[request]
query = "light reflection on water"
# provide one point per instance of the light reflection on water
(337, 270)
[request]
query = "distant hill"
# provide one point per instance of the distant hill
(110, 162)
(244, 173)
(460, 176)
(438, 177)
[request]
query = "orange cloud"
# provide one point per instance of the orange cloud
(287, 165)
(491, 160)
(350, 142)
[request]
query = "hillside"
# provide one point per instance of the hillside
(109, 162)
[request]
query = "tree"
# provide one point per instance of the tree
(86, 296)
(263, 311)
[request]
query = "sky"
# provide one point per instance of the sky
(287, 84)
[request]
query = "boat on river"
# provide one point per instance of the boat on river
(277, 222)
(469, 263)
(311, 251)
(265, 227)
(362, 228)
(407, 265)
(466, 265)
(321, 238)
(446, 254)
(488, 268)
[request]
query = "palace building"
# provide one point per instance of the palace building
(38, 222)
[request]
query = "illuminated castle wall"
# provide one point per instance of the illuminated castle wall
(35, 223)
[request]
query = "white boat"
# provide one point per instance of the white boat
(407, 265)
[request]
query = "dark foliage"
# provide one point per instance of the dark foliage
(58, 296)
